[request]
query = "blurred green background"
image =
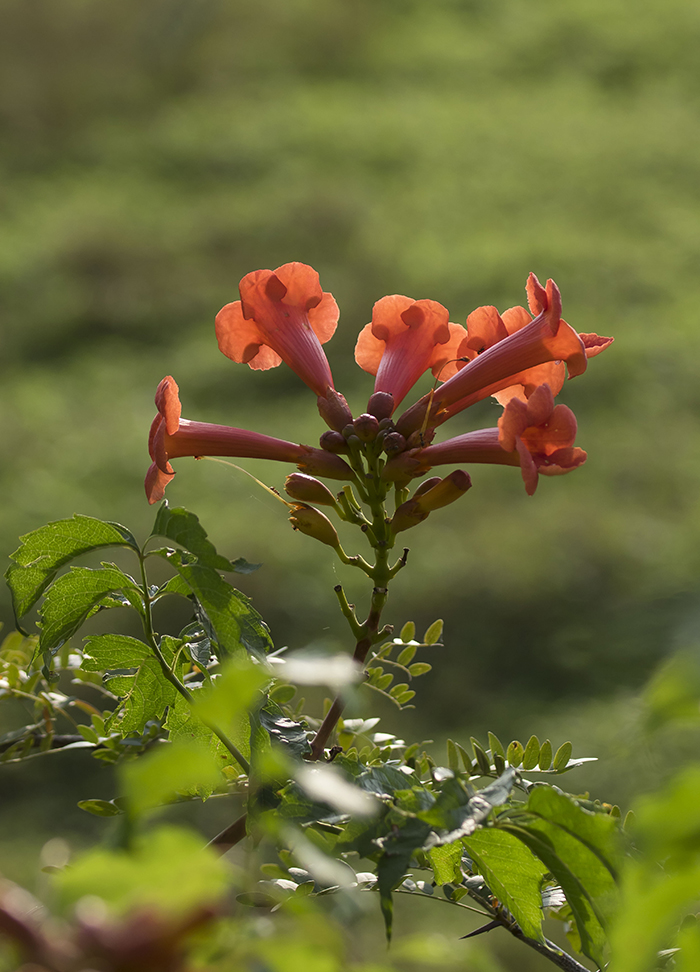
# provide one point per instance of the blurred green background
(155, 151)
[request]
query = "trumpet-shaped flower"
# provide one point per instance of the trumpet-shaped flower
(536, 435)
(172, 437)
(508, 351)
(404, 339)
(283, 315)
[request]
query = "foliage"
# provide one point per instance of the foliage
(184, 722)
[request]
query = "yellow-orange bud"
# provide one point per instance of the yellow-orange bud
(309, 490)
(314, 524)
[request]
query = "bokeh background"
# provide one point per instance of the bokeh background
(155, 151)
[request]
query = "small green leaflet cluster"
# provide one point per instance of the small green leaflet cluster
(492, 760)
(398, 655)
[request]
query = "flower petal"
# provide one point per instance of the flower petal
(242, 341)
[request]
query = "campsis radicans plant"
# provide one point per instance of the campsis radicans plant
(520, 357)
(221, 697)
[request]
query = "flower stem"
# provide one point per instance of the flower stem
(172, 677)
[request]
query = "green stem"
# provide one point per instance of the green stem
(172, 677)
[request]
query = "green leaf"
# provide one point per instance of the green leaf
(563, 857)
(45, 550)
(108, 652)
(72, 598)
(181, 723)
(237, 625)
(452, 758)
(545, 760)
(223, 703)
(514, 753)
(434, 633)
(168, 872)
(183, 767)
(146, 694)
(483, 762)
(408, 632)
(100, 808)
(466, 758)
(456, 815)
(407, 655)
(562, 756)
(532, 753)
(496, 745)
(445, 862)
(513, 873)
(419, 668)
(398, 847)
(598, 831)
(292, 735)
(183, 527)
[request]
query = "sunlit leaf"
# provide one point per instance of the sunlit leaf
(513, 873)
(72, 598)
(45, 550)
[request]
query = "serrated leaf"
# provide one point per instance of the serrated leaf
(237, 625)
(146, 694)
(513, 873)
(545, 758)
(222, 703)
(564, 856)
(408, 632)
(71, 599)
(514, 753)
(183, 527)
(407, 655)
(562, 756)
(434, 632)
(100, 808)
(532, 753)
(44, 551)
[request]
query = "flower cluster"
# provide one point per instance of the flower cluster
(520, 357)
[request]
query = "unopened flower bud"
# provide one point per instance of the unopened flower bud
(302, 487)
(381, 404)
(314, 524)
(318, 462)
(333, 442)
(430, 495)
(443, 492)
(407, 515)
(366, 427)
(394, 443)
(426, 485)
(334, 410)
(386, 425)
